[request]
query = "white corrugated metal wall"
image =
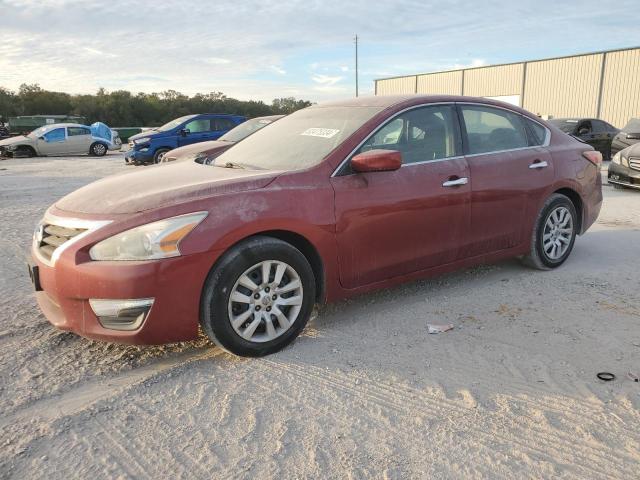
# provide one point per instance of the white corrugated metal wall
(603, 85)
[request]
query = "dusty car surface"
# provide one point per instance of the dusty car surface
(331, 201)
(206, 152)
(63, 139)
(624, 169)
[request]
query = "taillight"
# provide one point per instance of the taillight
(593, 156)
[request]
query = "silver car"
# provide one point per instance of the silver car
(63, 139)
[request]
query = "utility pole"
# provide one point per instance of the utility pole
(356, 40)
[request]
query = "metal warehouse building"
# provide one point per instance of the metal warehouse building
(603, 85)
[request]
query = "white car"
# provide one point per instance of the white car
(63, 139)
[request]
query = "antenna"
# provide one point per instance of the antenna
(356, 42)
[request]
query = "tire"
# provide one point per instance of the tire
(98, 149)
(24, 151)
(540, 257)
(251, 337)
(618, 186)
(157, 157)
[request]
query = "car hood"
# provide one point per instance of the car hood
(13, 140)
(149, 133)
(631, 151)
(209, 147)
(160, 186)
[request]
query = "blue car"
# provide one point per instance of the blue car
(151, 145)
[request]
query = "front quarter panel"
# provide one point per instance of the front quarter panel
(299, 202)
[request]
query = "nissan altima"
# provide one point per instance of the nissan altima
(331, 201)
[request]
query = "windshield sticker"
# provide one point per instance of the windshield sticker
(320, 132)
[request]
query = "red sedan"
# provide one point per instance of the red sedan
(331, 201)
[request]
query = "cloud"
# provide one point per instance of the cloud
(236, 47)
(278, 70)
(325, 80)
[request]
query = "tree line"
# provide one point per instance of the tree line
(121, 108)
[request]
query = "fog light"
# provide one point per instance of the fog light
(121, 314)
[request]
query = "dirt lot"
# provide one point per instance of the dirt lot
(511, 392)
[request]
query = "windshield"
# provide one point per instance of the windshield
(38, 132)
(633, 126)
(567, 126)
(300, 140)
(174, 123)
(245, 129)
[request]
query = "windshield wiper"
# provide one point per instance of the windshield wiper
(232, 165)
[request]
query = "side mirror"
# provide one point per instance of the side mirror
(377, 161)
(41, 138)
(184, 132)
(633, 136)
(583, 131)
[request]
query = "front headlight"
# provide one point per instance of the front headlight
(620, 159)
(141, 141)
(148, 242)
(11, 148)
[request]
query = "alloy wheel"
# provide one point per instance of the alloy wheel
(558, 232)
(265, 301)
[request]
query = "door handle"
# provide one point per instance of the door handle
(538, 164)
(456, 182)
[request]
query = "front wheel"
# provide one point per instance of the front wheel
(158, 156)
(553, 234)
(258, 298)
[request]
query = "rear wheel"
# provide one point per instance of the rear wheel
(554, 233)
(618, 186)
(98, 149)
(258, 298)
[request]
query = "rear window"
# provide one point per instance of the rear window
(537, 133)
(493, 129)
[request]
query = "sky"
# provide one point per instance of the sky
(265, 49)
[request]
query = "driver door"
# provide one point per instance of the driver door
(197, 130)
(53, 142)
(394, 223)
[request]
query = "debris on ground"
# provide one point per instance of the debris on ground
(433, 329)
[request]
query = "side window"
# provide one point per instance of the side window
(74, 131)
(56, 135)
(599, 127)
(537, 133)
(198, 126)
(222, 124)
(493, 129)
(584, 128)
(421, 135)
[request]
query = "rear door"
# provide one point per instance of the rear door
(395, 223)
(78, 140)
(509, 171)
(220, 126)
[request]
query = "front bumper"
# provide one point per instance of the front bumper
(175, 285)
(144, 155)
(625, 176)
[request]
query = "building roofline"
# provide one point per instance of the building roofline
(600, 52)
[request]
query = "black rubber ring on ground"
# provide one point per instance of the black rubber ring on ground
(606, 376)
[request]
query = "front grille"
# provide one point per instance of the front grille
(634, 162)
(49, 237)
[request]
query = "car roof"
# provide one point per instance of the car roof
(396, 101)
(60, 125)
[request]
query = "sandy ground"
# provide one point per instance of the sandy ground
(511, 392)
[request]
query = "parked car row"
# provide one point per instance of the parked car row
(206, 152)
(151, 145)
(328, 202)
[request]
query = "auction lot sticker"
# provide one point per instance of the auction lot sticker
(320, 132)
